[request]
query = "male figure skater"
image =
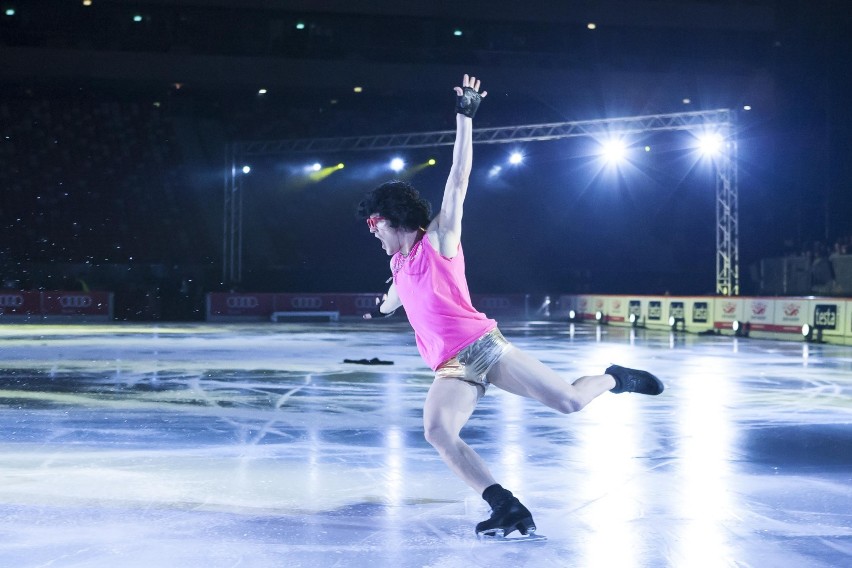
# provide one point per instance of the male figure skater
(463, 346)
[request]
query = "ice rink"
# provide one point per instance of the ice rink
(255, 445)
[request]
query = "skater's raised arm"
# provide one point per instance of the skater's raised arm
(445, 229)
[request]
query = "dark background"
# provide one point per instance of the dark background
(112, 150)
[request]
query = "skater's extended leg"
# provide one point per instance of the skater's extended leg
(634, 380)
(448, 407)
(519, 373)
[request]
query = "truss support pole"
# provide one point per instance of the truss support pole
(232, 261)
(727, 218)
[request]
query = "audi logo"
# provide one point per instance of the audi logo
(75, 301)
(306, 302)
(11, 300)
(366, 302)
(242, 302)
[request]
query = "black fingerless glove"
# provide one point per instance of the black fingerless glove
(468, 103)
(377, 313)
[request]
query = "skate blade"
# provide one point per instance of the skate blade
(499, 536)
(532, 537)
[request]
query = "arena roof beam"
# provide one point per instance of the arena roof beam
(497, 135)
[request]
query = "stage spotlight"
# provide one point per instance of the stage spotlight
(137, 18)
(812, 333)
(710, 144)
(316, 167)
(516, 158)
(544, 308)
(411, 169)
(300, 25)
(673, 323)
(319, 174)
(246, 169)
(10, 11)
(741, 329)
(613, 151)
(261, 91)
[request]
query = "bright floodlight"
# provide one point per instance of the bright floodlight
(246, 169)
(316, 167)
(710, 144)
(516, 158)
(397, 164)
(613, 151)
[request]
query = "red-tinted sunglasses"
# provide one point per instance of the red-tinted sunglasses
(372, 222)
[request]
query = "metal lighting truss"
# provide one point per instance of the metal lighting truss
(721, 121)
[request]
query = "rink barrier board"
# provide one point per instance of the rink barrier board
(247, 306)
(34, 306)
(783, 316)
(775, 316)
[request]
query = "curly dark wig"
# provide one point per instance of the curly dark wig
(399, 203)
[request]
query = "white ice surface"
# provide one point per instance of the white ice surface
(255, 445)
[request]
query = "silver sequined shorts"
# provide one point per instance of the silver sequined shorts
(472, 363)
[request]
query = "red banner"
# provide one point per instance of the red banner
(76, 303)
(239, 304)
(18, 303)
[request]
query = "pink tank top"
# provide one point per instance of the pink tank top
(433, 290)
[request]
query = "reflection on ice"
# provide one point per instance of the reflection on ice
(255, 445)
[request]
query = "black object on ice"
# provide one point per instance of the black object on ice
(373, 361)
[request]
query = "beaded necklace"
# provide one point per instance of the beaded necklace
(400, 259)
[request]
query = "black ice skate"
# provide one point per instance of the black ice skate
(634, 380)
(508, 517)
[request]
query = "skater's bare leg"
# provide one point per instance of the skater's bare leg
(522, 374)
(448, 407)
